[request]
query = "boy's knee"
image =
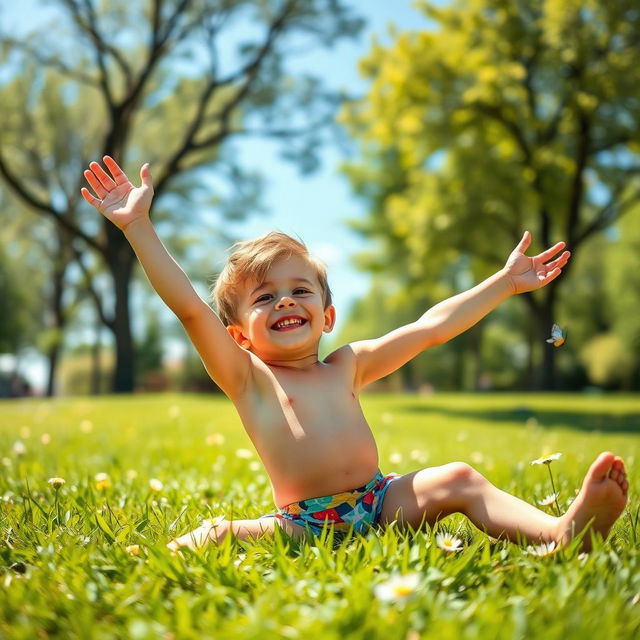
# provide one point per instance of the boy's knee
(463, 474)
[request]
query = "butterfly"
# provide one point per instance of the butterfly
(557, 336)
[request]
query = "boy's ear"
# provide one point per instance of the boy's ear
(235, 331)
(329, 319)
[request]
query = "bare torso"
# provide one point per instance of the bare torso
(308, 428)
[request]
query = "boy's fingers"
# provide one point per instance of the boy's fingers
(118, 174)
(101, 174)
(549, 253)
(95, 184)
(551, 276)
(560, 261)
(523, 245)
(145, 175)
(93, 201)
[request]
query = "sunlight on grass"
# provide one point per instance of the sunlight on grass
(91, 491)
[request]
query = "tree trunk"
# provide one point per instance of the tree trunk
(121, 265)
(53, 357)
(547, 378)
(58, 320)
(96, 365)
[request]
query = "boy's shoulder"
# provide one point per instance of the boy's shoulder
(341, 356)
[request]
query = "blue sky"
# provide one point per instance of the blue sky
(314, 207)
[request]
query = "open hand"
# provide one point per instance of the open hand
(529, 273)
(117, 199)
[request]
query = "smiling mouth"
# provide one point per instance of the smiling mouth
(287, 324)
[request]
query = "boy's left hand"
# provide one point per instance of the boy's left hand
(529, 273)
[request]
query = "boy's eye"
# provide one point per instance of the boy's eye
(265, 297)
(300, 290)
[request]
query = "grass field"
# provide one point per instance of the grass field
(65, 570)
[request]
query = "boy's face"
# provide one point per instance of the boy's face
(284, 316)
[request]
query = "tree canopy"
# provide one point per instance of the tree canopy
(499, 116)
(169, 82)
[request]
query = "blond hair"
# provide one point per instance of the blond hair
(251, 260)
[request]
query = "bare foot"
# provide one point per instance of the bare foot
(600, 502)
(199, 537)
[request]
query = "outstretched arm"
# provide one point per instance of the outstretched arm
(449, 318)
(128, 208)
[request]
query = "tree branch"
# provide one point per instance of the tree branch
(88, 279)
(249, 71)
(497, 114)
(43, 207)
(50, 61)
(604, 219)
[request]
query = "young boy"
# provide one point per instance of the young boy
(303, 415)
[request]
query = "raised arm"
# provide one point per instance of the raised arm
(128, 208)
(449, 318)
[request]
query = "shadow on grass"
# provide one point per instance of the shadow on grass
(530, 416)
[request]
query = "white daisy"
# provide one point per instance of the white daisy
(548, 459)
(397, 587)
(542, 549)
(56, 483)
(550, 499)
(447, 542)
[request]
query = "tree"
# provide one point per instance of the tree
(155, 80)
(505, 116)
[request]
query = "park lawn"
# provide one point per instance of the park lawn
(65, 570)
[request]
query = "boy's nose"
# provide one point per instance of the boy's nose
(285, 302)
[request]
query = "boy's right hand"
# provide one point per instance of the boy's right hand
(117, 199)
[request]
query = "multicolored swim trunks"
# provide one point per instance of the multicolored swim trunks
(359, 508)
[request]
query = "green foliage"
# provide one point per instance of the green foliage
(14, 319)
(165, 83)
(65, 571)
(149, 350)
(495, 118)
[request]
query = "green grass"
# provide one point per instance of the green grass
(65, 571)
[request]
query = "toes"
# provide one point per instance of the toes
(601, 467)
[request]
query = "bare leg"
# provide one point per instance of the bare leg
(216, 531)
(434, 493)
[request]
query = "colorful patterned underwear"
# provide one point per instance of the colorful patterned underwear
(359, 508)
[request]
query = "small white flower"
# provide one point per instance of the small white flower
(132, 474)
(547, 459)
(447, 542)
(155, 484)
(244, 453)
(86, 426)
(133, 549)
(214, 439)
(395, 458)
(397, 587)
(56, 483)
(477, 457)
(550, 499)
(542, 549)
(45, 438)
(18, 448)
(102, 481)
